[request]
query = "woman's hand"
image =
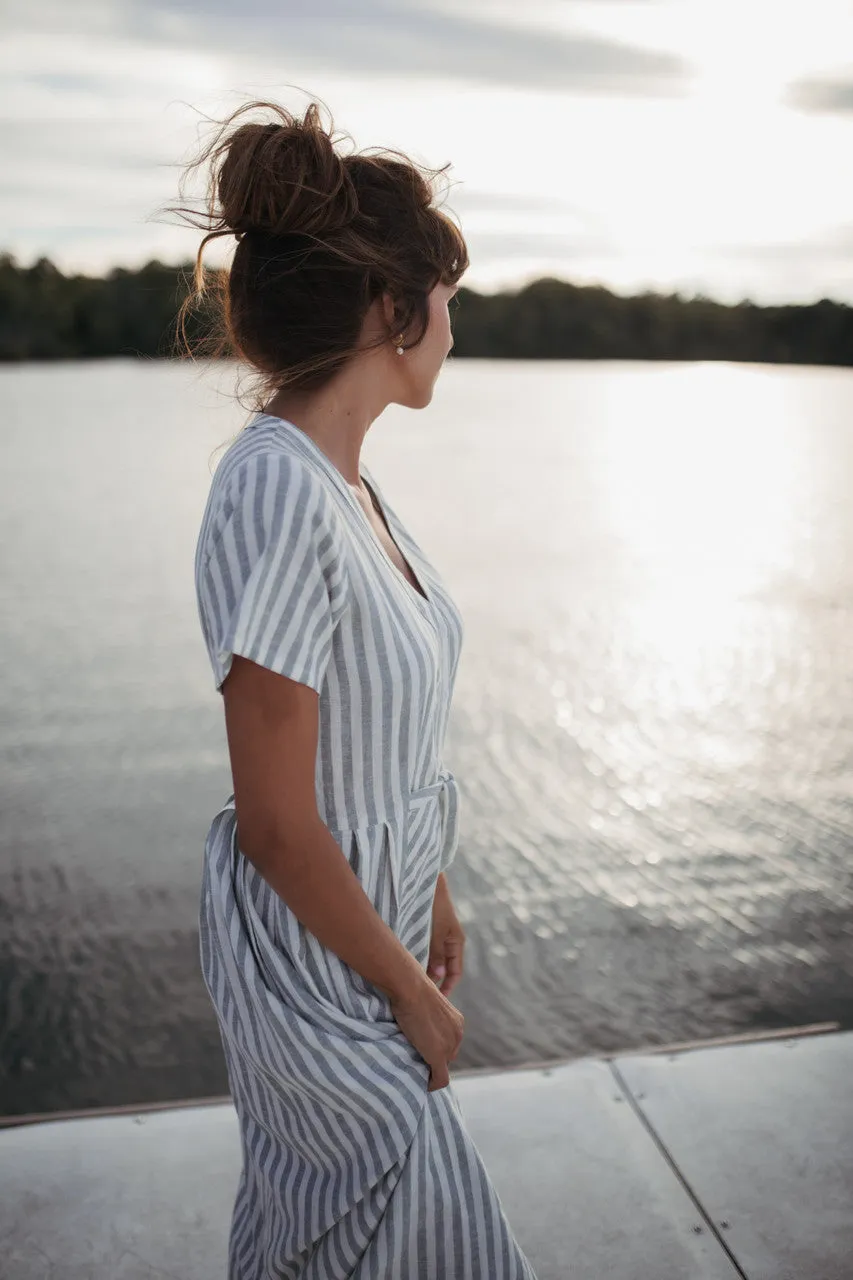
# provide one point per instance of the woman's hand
(433, 1025)
(447, 941)
(424, 1014)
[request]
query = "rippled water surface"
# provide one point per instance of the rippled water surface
(652, 726)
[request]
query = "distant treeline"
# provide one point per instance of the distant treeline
(46, 315)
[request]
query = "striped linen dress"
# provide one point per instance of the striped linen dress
(350, 1168)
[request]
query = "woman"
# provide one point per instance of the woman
(329, 942)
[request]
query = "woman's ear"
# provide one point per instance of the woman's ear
(389, 310)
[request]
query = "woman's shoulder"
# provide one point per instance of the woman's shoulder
(264, 468)
(272, 578)
(264, 490)
(256, 446)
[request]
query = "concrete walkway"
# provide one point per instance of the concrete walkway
(698, 1163)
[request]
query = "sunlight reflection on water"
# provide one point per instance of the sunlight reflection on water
(650, 726)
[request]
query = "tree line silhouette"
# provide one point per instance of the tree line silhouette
(45, 315)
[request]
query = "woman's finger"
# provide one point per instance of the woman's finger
(454, 962)
(439, 1076)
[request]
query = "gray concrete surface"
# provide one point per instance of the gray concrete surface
(701, 1164)
(763, 1136)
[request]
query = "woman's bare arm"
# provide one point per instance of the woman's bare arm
(272, 728)
(272, 723)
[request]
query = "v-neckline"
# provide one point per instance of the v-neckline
(419, 591)
(424, 599)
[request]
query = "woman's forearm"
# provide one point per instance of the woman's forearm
(310, 874)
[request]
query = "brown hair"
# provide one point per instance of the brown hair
(320, 236)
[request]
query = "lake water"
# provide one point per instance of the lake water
(652, 725)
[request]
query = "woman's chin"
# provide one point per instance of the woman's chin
(417, 397)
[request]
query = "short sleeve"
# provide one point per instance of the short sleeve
(274, 585)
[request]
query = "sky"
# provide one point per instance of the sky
(697, 146)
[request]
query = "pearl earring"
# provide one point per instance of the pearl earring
(399, 349)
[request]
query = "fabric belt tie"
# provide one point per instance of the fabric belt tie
(447, 789)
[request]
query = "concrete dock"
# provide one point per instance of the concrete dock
(702, 1162)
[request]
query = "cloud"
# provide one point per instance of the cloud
(566, 141)
(784, 272)
(822, 95)
(834, 244)
(376, 38)
(483, 209)
(488, 247)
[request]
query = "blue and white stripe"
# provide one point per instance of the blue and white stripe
(351, 1168)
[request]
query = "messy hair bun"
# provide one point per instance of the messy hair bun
(319, 235)
(285, 179)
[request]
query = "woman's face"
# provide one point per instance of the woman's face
(419, 367)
